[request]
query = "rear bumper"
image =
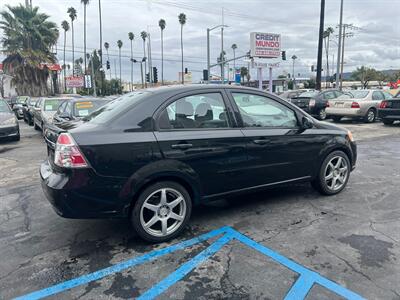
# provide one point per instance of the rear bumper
(81, 194)
(389, 114)
(344, 112)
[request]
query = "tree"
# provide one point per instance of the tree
(182, 21)
(98, 75)
(143, 34)
(243, 73)
(131, 36)
(162, 25)
(326, 35)
(72, 15)
(85, 3)
(364, 75)
(119, 44)
(65, 26)
(234, 47)
(28, 37)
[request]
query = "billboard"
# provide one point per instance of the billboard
(74, 82)
(266, 45)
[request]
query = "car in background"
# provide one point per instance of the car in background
(316, 102)
(44, 110)
(288, 95)
(362, 104)
(27, 110)
(149, 156)
(389, 110)
(9, 127)
(18, 106)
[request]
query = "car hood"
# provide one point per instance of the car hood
(4, 116)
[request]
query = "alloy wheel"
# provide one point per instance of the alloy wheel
(322, 114)
(336, 173)
(371, 116)
(163, 212)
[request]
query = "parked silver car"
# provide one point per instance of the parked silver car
(44, 110)
(357, 104)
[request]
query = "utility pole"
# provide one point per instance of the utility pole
(320, 40)
(149, 54)
(101, 50)
(342, 58)
(93, 77)
(294, 57)
(339, 44)
(222, 49)
(208, 54)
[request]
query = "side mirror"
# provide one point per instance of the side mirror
(306, 123)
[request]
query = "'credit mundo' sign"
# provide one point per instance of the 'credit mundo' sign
(267, 45)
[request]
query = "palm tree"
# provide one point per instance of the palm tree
(131, 37)
(243, 72)
(85, 3)
(28, 37)
(65, 26)
(119, 44)
(72, 14)
(162, 25)
(326, 36)
(107, 45)
(234, 47)
(143, 34)
(182, 21)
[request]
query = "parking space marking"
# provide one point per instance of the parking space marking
(299, 289)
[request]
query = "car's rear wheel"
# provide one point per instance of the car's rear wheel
(322, 114)
(336, 118)
(161, 211)
(388, 122)
(333, 174)
(370, 116)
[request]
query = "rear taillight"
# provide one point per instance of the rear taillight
(312, 102)
(67, 153)
(384, 104)
(355, 105)
(327, 104)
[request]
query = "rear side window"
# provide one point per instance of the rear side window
(260, 111)
(194, 112)
(329, 95)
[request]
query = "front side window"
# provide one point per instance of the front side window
(194, 112)
(260, 111)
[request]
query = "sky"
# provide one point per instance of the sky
(375, 43)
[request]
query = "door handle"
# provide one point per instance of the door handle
(260, 142)
(183, 146)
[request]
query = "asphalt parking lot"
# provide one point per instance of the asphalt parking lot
(351, 239)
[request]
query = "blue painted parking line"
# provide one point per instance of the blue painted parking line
(299, 290)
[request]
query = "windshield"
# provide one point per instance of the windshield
(52, 104)
(4, 107)
(85, 108)
(309, 94)
(115, 107)
(359, 94)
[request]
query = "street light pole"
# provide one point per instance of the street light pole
(294, 57)
(339, 44)
(319, 56)
(208, 48)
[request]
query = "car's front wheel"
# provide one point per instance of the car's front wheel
(161, 211)
(333, 174)
(322, 114)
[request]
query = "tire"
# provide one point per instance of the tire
(161, 214)
(328, 186)
(336, 118)
(370, 116)
(321, 114)
(388, 122)
(17, 138)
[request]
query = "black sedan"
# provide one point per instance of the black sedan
(315, 102)
(389, 110)
(9, 127)
(28, 109)
(151, 155)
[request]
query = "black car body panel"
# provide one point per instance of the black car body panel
(392, 110)
(128, 151)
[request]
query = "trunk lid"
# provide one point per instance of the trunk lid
(302, 102)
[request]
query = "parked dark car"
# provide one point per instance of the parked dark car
(389, 110)
(9, 127)
(28, 109)
(288, 95)
(315, 102)
(18, 106)
(151, 155)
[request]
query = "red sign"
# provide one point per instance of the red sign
(51, 67)
(74, 82)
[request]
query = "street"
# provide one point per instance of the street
(351, 238)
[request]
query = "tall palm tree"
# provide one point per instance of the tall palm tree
(65, 26)
(28, 37)
(143, 34)
(72, 14)
(85, 3)
(119, 44)
(234, 47)
(131, 36)
(326, 36)
(162, 25)
(107, 45)
(182, 21)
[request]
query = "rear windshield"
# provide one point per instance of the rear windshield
(115, 107)
(359, 94)
(309, 94)
(4, 106)
(22, 100)
(52, 104)
(85, 108)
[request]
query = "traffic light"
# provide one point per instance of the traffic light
(205, 75)
(147, 77)
(283, 55)
(186, 70)
(108, 65)
(155, 74)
